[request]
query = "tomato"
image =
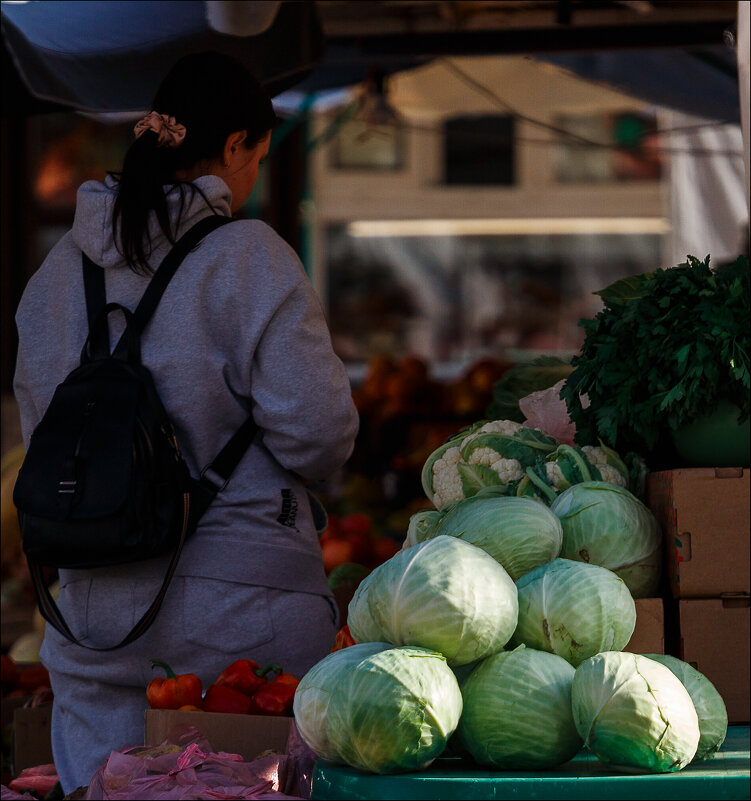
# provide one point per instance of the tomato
(384, 548)
(336, 552)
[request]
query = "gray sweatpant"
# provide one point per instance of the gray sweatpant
(203, 626)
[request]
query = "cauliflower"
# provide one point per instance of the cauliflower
(509, 427)
(485, 456)
(603, 461)
(447, 483)
(612, 475)
(466, 464)
(555, 476)
(597, 458)
(508, 469)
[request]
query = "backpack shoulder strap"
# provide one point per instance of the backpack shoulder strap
(96, 300)
(165, 271)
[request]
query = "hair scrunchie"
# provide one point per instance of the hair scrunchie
(169, 131)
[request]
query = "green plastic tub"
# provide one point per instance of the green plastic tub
(725, 776)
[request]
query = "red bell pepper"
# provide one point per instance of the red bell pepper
(221, 698)
(244, 675)
(174, 691)
(343, 639)
(277, 696)
(273, 699)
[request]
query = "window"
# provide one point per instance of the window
(451, 299)
(479, 150)
(624, 148)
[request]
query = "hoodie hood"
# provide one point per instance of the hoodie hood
(92, 225)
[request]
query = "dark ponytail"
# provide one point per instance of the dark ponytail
(212, 95)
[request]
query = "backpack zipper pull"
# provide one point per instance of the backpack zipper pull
(68, 484)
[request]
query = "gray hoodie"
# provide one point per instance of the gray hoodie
(239, 330)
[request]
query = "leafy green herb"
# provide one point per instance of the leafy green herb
(666, 348)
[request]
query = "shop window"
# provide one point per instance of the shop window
(452, 299)
(608, 148)
(479, 150)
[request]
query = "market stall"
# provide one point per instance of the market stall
(540, 568)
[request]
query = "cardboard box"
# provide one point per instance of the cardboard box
(32, 742)
(247, 735)
(704, 516)
(715, 635)
(649, 633)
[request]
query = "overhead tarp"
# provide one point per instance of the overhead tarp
(104, 56)
(109, 56)
(701, 81)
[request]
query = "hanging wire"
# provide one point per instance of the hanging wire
(581, 140)
(567, 138)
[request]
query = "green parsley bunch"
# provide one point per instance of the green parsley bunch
(666, 348)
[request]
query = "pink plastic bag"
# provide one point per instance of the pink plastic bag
(41, 779)
(546, 411)
(185, 767)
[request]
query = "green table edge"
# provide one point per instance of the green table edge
(726, 776)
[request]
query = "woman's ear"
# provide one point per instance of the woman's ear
(232, 145)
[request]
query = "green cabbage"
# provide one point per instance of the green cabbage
(313, 695)
(710, 708)
(634, 714)
(519, 533)
(608, 526)
(443, 594)
(517, 711)
(394, 711)
(422, 526)
(574, 610)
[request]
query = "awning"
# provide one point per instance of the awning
(104, 56)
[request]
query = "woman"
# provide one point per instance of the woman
(239, 330)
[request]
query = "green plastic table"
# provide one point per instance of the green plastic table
(584, 777)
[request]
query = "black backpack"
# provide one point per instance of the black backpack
(103, 481)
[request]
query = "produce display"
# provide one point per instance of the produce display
(242, 688)
(515, 589)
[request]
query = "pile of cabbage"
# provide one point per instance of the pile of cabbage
(492, 473)
(497, 633)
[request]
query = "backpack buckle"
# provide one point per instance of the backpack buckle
(215, 486)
